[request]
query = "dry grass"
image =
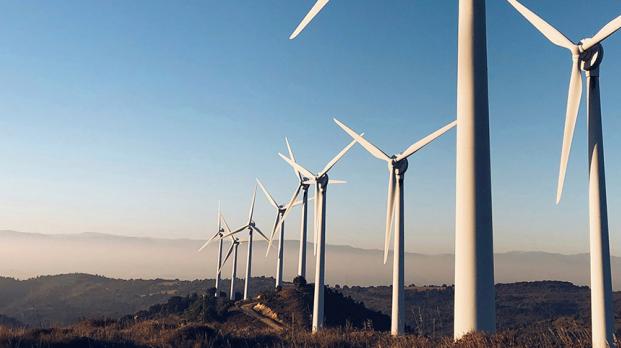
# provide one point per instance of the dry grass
(173, 333)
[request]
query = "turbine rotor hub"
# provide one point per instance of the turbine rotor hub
(591, 59)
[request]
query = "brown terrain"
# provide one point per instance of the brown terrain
(530, 314)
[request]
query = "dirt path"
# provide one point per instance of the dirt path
(247, 309)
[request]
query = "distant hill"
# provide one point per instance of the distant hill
(25, 255)
(65, 299)
(518, 305)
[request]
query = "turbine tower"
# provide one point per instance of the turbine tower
(280, 211)
(250, 227)
(397, 167)
(321, 182)
(475, 307)
(587, 56)
(218, 234)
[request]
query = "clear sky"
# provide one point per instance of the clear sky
(136, 117)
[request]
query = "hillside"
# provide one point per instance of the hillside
(268, 320)
(430, 309)
(65, 299)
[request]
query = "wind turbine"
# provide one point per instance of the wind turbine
(475, 307)
(321, 181)
(280, 212)
(235, 242)
(587, 56)
(303, 185)
(397, 167)
(250, 227)
(218, 234)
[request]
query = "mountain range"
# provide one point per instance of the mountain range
(26, 255)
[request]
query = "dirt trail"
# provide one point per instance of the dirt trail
(273, 324)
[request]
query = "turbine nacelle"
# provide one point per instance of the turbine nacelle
(591, 58)
(323, 180)
(398, 166)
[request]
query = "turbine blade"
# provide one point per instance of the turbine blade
(303, 170)
(555, 36)
(425, 141)
(228, 254)
(372, 149)
(292, 157)
(254, 197)
(219, 217)
(209, 241)
(603, 34)
(573, 104)
(332, 181)
(235, 232)
(226, 226)
(337, 158)
(260, 232)
(308, 18)
(269, 244)
(390, 204)
(267, 194)
(204, 246)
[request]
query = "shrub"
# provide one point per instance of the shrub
(299, 282)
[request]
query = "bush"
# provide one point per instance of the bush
(299, 282)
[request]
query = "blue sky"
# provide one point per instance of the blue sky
(136, 117)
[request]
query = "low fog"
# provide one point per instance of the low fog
(26, 255)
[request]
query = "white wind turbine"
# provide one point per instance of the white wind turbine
(587, 56)
(280, 212)
(397, 166)
(250, 227)
(321, 181)
(235, 242)
(218, 234)
(475, 307)
(303, 186)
